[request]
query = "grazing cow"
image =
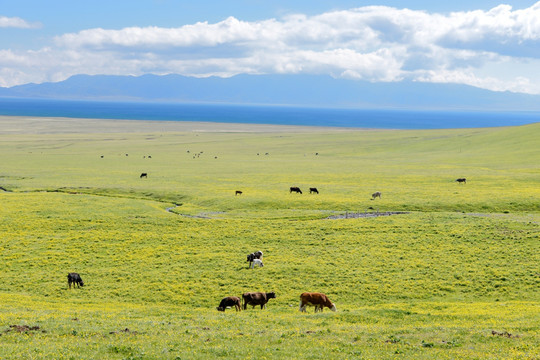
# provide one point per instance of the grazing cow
(230, 301)
(75, 279)
(238, 192)
(375, 195)
(255, 255)
(295, 189)
(143, 175)
(257, 298)
(313, 190)
(256, 262)
(461, 180)
(315, 299)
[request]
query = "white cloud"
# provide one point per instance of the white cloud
(15, 22)
(373, 43)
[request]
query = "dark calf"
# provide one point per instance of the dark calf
(229, 301)
(75, 279)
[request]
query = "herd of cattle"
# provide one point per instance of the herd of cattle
(318, 300)
(313, 190)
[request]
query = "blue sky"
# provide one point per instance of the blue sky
(489, 44)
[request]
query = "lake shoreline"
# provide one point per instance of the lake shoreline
(61, 125)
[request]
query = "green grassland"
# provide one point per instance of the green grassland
(456, 277)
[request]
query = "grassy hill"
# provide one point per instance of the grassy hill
(455, 277)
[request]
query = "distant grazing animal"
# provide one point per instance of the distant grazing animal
(295, 189)
(255, 255)
(313, 190)
(257, 298)
(315, 299)
(376, 195)
(144, 175)
(102, 156)
(256, 262)
(75, 279)
(238, 192)
(230, 301)
(461, 180)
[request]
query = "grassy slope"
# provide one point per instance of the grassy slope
(430, 284)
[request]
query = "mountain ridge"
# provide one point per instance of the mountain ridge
(293, 90)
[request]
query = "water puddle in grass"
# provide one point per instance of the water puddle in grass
(286, 214)
(348, 215)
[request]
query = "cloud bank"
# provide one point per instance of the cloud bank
(15, 22)
(498, 49)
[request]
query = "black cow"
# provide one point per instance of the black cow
(255, 255)
(230, 301)
(461, 180)
(75, 279)
(144, 175)
(238, 192)
(295, 189)
(313, 190)
(257, 298)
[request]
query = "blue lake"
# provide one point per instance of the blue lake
(277, 115)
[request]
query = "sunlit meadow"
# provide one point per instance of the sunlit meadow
(457, 275)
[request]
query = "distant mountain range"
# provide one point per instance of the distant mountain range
(299, 90)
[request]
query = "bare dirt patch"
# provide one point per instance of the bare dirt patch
(503, 334)
(23, 329)
(125, 331)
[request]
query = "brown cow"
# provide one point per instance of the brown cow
(315, 299)
(257, 298)
(230, 301)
